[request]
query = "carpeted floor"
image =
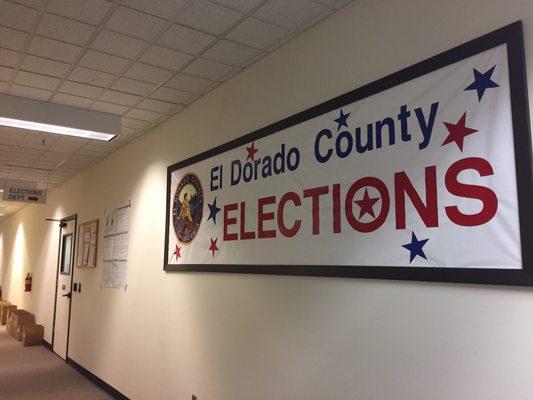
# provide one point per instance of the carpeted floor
(35, 373)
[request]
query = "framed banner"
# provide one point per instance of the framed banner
(422, 175)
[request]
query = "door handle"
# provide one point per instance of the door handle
(69, 295)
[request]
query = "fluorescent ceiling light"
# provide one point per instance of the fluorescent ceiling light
(62, 130)
(35, 115)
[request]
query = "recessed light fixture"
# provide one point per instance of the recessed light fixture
(35, 115)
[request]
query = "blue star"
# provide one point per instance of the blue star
(482, 82)
(341, 121)
(415, 247)
(213, 211)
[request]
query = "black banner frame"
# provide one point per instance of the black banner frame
(512, 36)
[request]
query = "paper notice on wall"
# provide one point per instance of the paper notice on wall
(116, 242)
(115, 274)
(122, 219)
(116, 247)
(110, 222)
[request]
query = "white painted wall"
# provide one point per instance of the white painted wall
(246, 337)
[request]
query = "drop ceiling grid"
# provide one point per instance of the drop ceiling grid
(145, 86)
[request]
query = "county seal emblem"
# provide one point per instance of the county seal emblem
(187, 208)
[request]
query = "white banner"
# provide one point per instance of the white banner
(421, 175)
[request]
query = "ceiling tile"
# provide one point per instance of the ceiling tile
(80, 89)
(257, 33)
(8, 58)
(36, 80)
(69, 100)
(28, 152)
(192, 99)
(29, 3)
(20, 162)
(44, 164)
(231, 53)
(334, 4)
(103, 62)
(49, 48)
(185, 39)
(341, 3)
(4, 156)
(158, 106)
(10, 147)
(144, 115)
(133, 86)
(34, 140)
(7, 144)
(99, 146)
(135, 123)
(135, 23)
(120, 98)
(161, 8)
(65, 29)
(76, 162)
(16, 16)
(92, 11)
(166, 58)
(44, 66)
(243, 6)
(190, 83)
(109, 107)
(66, 145)
(91, 77)
(172, 95)
(117, 44)
(15, 172)
(5, 74)
(91, 153)
(53, 156)
(208, 17)
(126, 131)
(289, 14)
(12, 138)
(121, 141)
(30, 92)
(148, 73)
(12, 39)
(209, 69)
(314, 20)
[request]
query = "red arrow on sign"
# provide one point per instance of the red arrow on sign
(33, 198)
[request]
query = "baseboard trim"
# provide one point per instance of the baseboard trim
(97, 381)
(47, 345)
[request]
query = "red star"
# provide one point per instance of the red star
(251, 152)
(213, 246)
(458, 132)
(366, 205)
(177, 252)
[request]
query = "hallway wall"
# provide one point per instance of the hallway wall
(252, 337)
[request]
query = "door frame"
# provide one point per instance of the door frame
(73, 217)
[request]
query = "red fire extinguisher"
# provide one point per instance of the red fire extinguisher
(27, 283)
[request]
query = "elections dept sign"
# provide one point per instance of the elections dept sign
(424, 175)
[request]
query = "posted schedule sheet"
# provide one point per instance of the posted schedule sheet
(116, 241)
